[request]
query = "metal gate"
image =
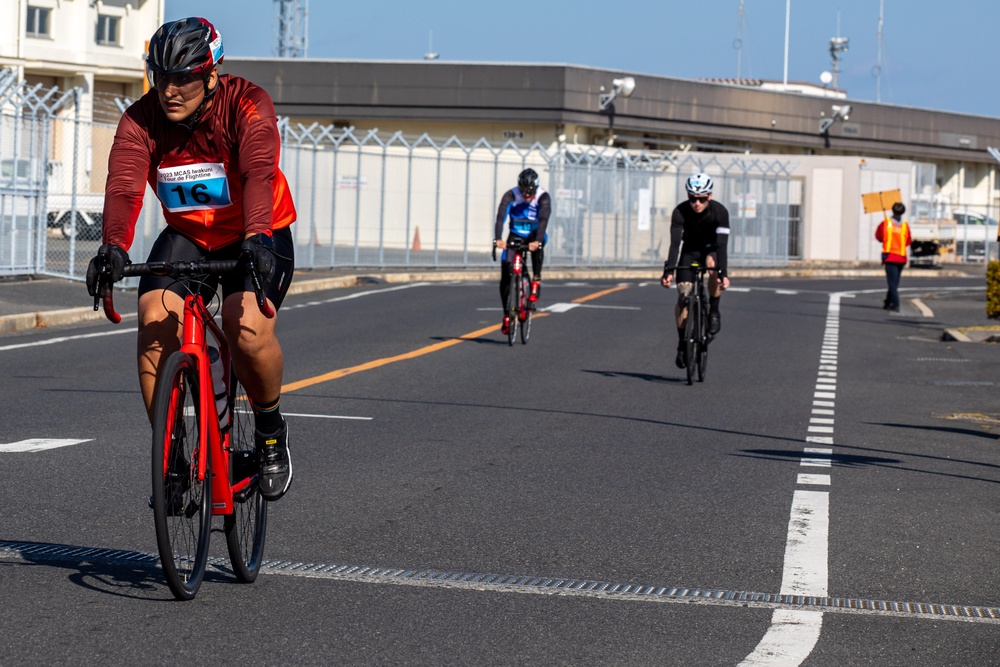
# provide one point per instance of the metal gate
(26, 114)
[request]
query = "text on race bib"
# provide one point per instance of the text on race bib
(193, 187)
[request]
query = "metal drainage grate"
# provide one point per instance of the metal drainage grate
(529, 584)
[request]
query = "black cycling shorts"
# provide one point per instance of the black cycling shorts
(690, 257)
(172, 246)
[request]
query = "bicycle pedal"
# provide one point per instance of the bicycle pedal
(246, 494)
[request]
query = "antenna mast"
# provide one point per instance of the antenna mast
(878, 67)
(292, 28)
(838, 45)
(739, 47)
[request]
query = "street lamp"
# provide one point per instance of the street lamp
(839, 111)
(606, 100)
(624, 87)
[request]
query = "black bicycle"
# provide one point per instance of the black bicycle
(518, 307)
(696, 336)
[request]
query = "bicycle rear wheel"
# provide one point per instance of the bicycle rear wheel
(246, 527)
(691, 335)
(182, 503)
(525, 306)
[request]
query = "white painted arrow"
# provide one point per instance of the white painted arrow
(40, 444)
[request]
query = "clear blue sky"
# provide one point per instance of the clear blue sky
(936, 54)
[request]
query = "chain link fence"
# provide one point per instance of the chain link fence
(369, 200)
(365, 200)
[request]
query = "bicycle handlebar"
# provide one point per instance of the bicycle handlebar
(182, 269)
(515, 243)
(693, 267)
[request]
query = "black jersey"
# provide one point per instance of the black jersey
(701, 233)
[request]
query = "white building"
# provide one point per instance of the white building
(96, 45)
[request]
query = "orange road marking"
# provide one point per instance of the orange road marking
(377, 363)
(597, 295)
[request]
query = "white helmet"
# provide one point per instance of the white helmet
(699, 184)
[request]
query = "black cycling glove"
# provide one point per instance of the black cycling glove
(260, 248)
(111, 256)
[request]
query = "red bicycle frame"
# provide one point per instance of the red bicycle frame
(212, 442)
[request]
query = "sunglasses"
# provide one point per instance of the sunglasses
(700, 200)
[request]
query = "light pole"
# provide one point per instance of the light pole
(606, 100)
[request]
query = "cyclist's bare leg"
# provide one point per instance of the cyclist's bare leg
(714, 284)
(255, 349)
(160, 315)
(680, 308)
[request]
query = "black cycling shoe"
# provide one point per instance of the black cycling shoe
(275, 462)
(714, 322)
(681, 359)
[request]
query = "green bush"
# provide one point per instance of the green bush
(993, 289)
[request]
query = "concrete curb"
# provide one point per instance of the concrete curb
(303, 285)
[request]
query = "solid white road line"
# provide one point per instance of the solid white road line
(63, 339)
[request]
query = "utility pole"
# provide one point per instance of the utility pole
(291, 29)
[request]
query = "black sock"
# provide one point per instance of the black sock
(713, 303)
(267, 418)
(680, 339)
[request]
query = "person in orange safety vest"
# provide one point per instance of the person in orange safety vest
(894, 234)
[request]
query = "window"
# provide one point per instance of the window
(38, 22)
(971, 177)
(107, 30)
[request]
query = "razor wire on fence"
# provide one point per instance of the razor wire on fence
(370, 199)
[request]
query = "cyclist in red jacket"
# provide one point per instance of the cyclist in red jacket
(207, 144)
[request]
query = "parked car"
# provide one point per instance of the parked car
(965, 235)
(89, 215)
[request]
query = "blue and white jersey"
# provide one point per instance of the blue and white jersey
(523, 214)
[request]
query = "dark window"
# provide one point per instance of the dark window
(107, 30)
(38, 22)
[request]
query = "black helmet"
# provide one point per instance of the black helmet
(527, 182)
(187, 46)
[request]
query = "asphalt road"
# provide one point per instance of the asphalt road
(836, 460)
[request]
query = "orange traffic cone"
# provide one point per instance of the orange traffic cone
(416, 239)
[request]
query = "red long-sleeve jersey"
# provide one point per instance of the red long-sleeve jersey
(216, 182)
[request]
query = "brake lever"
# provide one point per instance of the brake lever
(258, 289)
(105, 285)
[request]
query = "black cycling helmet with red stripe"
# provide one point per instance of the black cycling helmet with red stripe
(186, 46)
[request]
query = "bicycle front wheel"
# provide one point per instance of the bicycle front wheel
(246, 527)
(182, 498)
(525, 307)
(513, 298)
(691, 334)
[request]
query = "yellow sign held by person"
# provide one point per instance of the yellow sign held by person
(880, 202)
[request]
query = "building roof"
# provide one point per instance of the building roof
(561, 94)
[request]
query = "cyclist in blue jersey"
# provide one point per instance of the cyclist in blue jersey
(528, 207)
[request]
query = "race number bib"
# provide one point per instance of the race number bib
(193, 187)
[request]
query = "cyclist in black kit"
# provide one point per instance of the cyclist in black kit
(528, 206)
(703, 227)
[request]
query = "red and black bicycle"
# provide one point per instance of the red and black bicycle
(518, 307)
(204, 465)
